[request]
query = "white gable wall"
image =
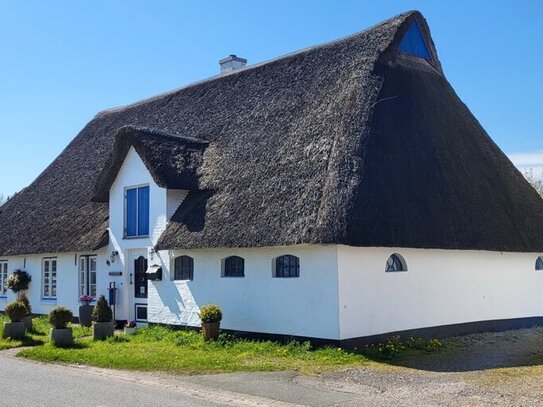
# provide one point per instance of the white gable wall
(134, 173)
(258, 302)
(441, 287)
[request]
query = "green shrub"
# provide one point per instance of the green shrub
(16, 311)
(210, 313)
(18, 281)
(59, 317)
(102, 311)
(24, 299)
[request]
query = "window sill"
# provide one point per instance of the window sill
(49, 301)
(135, 237)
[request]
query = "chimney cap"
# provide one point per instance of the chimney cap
(232, 63)
(232, 57)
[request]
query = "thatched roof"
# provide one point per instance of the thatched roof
(172, 160)
(348, 142)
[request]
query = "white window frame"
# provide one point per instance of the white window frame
(125, 208)
(51, 282)
(86, 287)
(3, 277)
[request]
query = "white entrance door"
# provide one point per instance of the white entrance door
(138, 285)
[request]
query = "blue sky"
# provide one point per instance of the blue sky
(63, 61)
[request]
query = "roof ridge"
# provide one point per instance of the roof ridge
(404, 15)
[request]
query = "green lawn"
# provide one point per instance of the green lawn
(159, 348)
(39, 334)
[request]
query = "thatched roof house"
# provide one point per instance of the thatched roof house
(338, 143)
(330, 180)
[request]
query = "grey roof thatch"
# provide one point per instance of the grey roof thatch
(173, 161)
(348, 142)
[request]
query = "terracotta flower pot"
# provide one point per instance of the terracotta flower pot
(210, 330)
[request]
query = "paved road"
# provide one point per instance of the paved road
(27, 383)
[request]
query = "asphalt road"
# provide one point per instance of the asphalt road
(28, 384)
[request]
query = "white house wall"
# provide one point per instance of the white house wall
(441, 287)
(258, 302)
(67, 280)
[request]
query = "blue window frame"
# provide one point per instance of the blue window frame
(413, 43)
(137, 212)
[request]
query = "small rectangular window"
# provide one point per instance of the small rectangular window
(137, 212)
(184, 268)
(3, 277)
(49, 278)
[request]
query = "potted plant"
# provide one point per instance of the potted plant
(130, 328)
(85, 310)
(102, 316)
(28, 317)
(18, 281)
(15, 329)
(60, 334)
(211, 316)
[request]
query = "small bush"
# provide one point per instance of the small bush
(210, 313)
(18, 281)
(102, 311)
(24, 299)
(16, 311)
(59, 317)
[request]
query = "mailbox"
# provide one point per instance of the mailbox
(154, 272)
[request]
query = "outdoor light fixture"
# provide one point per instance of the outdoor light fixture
(112, 257)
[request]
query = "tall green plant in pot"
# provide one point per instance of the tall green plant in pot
(15, 329)
(28, 317)
(211, 317)
(102, 316)
(60, 334)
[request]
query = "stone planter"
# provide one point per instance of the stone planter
(85, 315)
(14, 330)
(61, 336)
(102, 330)
(210, 330)
(28, 322)
(129, 331)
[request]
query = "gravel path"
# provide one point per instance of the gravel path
(492, 369)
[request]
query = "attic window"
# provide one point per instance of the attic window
(539, 264)
(395, 263)
(413, 43)
(136, 220)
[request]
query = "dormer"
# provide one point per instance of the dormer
(145, 180)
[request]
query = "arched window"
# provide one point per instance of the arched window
(395, 263)
(539, 264)
(287, 266)
(234, 266)
(183, 268)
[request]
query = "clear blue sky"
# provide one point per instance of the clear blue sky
(63, 61)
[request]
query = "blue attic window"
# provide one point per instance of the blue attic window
(137, 212)
(412, 43)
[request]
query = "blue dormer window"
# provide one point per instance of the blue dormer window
(413, 43)
(136, 222)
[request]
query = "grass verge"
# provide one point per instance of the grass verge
(39, 334)
(162, 349)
